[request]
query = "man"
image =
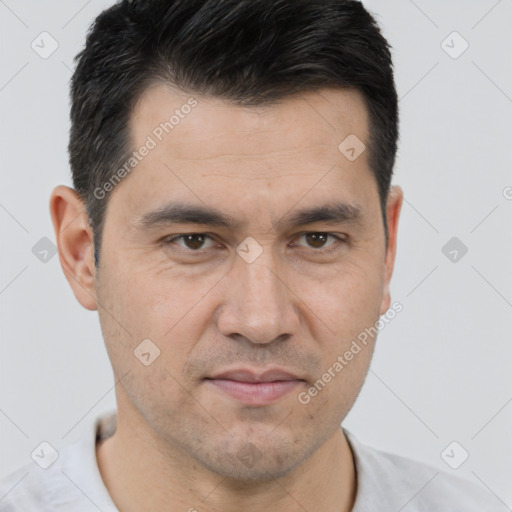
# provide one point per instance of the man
(234, 224)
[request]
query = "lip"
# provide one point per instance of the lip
(255, 388)
(246, 375)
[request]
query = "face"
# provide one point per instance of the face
(255, 285)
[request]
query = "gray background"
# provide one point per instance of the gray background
(441, 371)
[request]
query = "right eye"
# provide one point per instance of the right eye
(193, 242)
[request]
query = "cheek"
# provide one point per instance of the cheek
(346, 301)
(135, 323)
(150, 303)
(342, 311)
(169, 310)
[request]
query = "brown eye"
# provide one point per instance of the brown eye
(193, 241)
(319, 240)
(316, 240)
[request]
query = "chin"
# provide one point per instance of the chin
(258, 460)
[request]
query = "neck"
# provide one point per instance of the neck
(143, 475)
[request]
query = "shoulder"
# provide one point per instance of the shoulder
(71, 482)
(388, 481)
(32, 488)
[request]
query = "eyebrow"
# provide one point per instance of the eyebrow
(183, 213)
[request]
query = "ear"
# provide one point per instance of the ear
(75, 242)
(393, 208)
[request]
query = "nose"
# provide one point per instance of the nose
(258, 303)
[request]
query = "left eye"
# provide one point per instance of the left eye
(318, 240)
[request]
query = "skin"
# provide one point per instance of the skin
(294, 307)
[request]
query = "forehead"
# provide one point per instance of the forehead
(210, 150)
(215, 127)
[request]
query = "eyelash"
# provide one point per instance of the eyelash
(330, 248)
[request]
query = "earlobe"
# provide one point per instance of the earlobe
(75, 242)
(393, 209)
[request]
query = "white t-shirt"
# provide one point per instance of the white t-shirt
(386, 482)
